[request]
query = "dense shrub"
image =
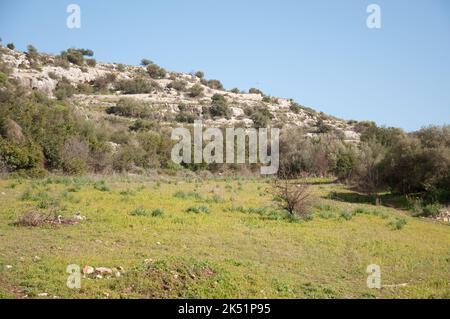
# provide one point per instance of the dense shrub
(76, 56)
(200, 74)
(219, 106)
(140, 211)
(261, 117)
(143, 125)
(32, 52)
(178, 85)
(410, 166)
(158, 212)
(11, 46)
(295, 107)
(104, 83)
(316, 156)
(64, 90)
(91, 62)
(136, 86)
(322, 127)
(43, 126)
(130, 108)
(214, 84)
(155, 71)
(185, 117)
(198, 209)
(146, 62)
(18, 156)
(255, 91)
(128, 157)
(85, 88)
(195, 91)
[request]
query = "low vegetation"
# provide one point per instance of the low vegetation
(245, 246)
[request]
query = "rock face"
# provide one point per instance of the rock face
(165, 101)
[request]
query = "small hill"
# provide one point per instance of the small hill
(167, 97)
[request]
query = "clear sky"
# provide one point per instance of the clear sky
(319, 52)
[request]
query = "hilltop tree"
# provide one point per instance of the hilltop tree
(146, 62)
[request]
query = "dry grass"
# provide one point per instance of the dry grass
(37, 219)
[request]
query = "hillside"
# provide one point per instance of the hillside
(165, 94)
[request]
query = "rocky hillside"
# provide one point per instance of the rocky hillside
(167, 97)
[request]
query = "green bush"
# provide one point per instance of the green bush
(130, 108)
(91, 62)
(346, 215)
(214, 84)
(195, 91)
(143, 125)
(103, 83)
(158, 212)
(399, 223)
(101, 186)
(64, 90)
(432, 210)
(198, 209)
(255, 91)
(295, 107)
(155, 71)
(75, 166)
(219, 106)
(261, 117)
(73, 56)
(345, 164)
(11, 46)
(137, 86)
(16, 156)
(185, 117)
(128, 157)
(85, 88)
(76, 56)
(139, 212)
(200, 74)
(322, 127)
(178, 85)
(146, 62)
(32, 53)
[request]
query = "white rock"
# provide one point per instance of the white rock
(87, 270)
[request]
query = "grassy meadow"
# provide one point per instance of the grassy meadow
(212, 238)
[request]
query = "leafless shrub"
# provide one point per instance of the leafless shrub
(37, 219)
(294, 196)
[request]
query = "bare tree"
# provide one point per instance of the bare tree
(292, 195)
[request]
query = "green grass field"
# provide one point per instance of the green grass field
(212, 239)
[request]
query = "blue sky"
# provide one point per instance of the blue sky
(320, 53)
